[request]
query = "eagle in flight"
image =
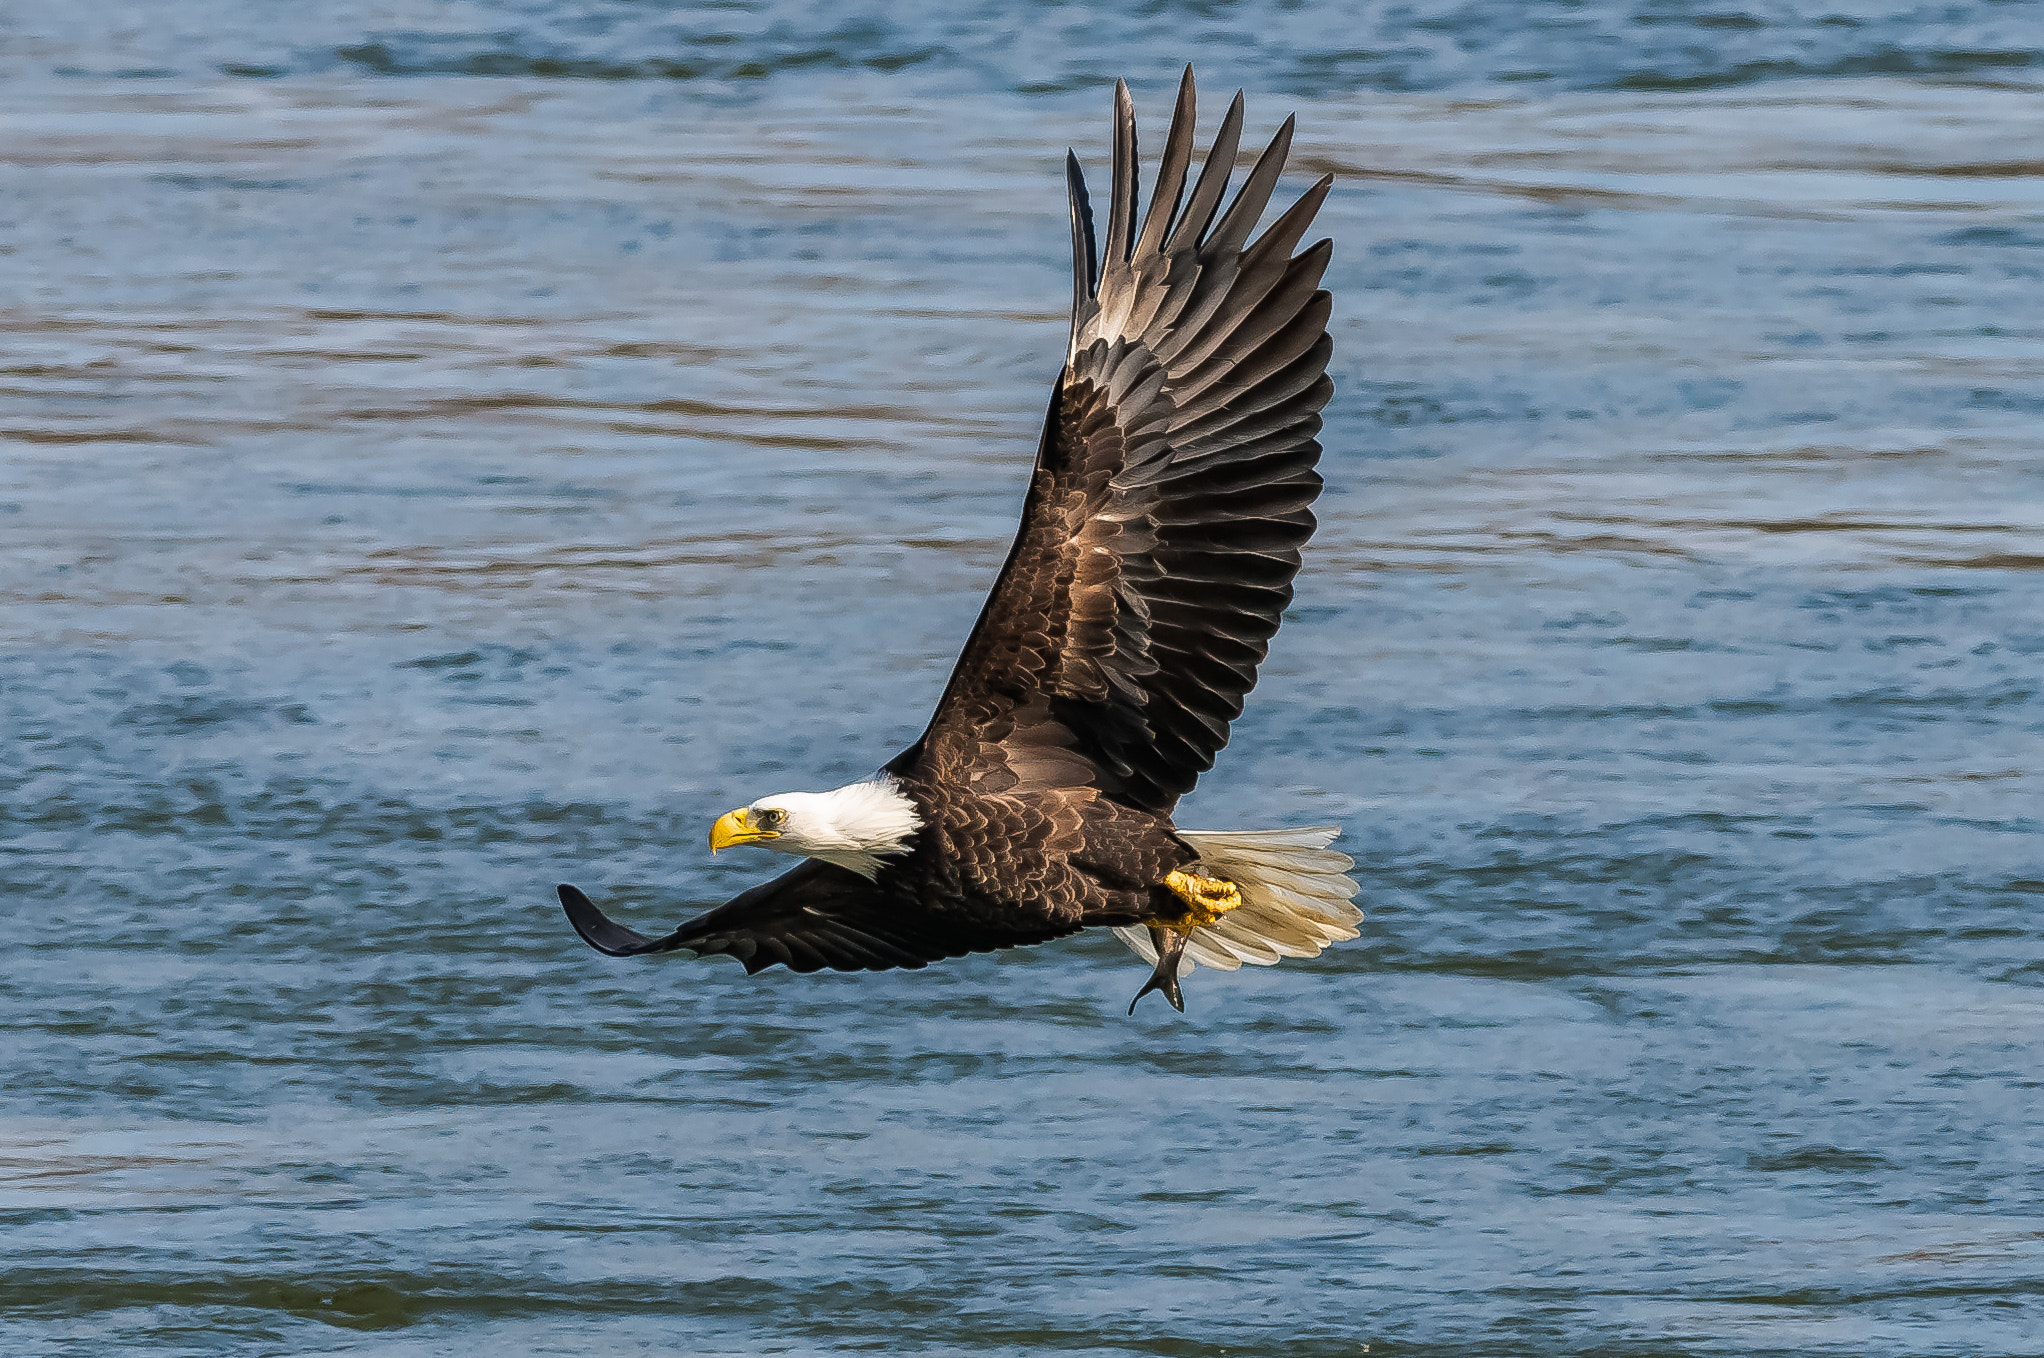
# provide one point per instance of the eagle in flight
(1172, 492)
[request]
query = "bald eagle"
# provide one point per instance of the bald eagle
(1172, 492)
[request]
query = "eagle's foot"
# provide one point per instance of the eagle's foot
(1206, 900)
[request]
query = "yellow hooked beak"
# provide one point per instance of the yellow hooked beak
(735, 827)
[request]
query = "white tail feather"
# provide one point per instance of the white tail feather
(1295, 898)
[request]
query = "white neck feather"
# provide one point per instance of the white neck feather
(857, 826)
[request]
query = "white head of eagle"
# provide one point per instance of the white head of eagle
(858, 826)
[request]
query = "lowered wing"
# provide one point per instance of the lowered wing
(814, 917)
(1172, 490)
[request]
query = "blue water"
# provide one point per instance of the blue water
(1305, 49)
(452, 449)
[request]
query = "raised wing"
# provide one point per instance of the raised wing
(1171, 494)
(816, 916)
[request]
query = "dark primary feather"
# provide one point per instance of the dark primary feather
(1172, 490)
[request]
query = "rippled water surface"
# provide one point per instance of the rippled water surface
(451, 449)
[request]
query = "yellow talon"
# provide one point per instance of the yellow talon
(1206, 900)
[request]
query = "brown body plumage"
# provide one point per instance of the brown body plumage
(1162, 530)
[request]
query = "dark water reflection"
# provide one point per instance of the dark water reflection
(419, 489)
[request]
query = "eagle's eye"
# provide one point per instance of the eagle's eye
(771, 819)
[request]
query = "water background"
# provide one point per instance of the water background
(451, 449)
